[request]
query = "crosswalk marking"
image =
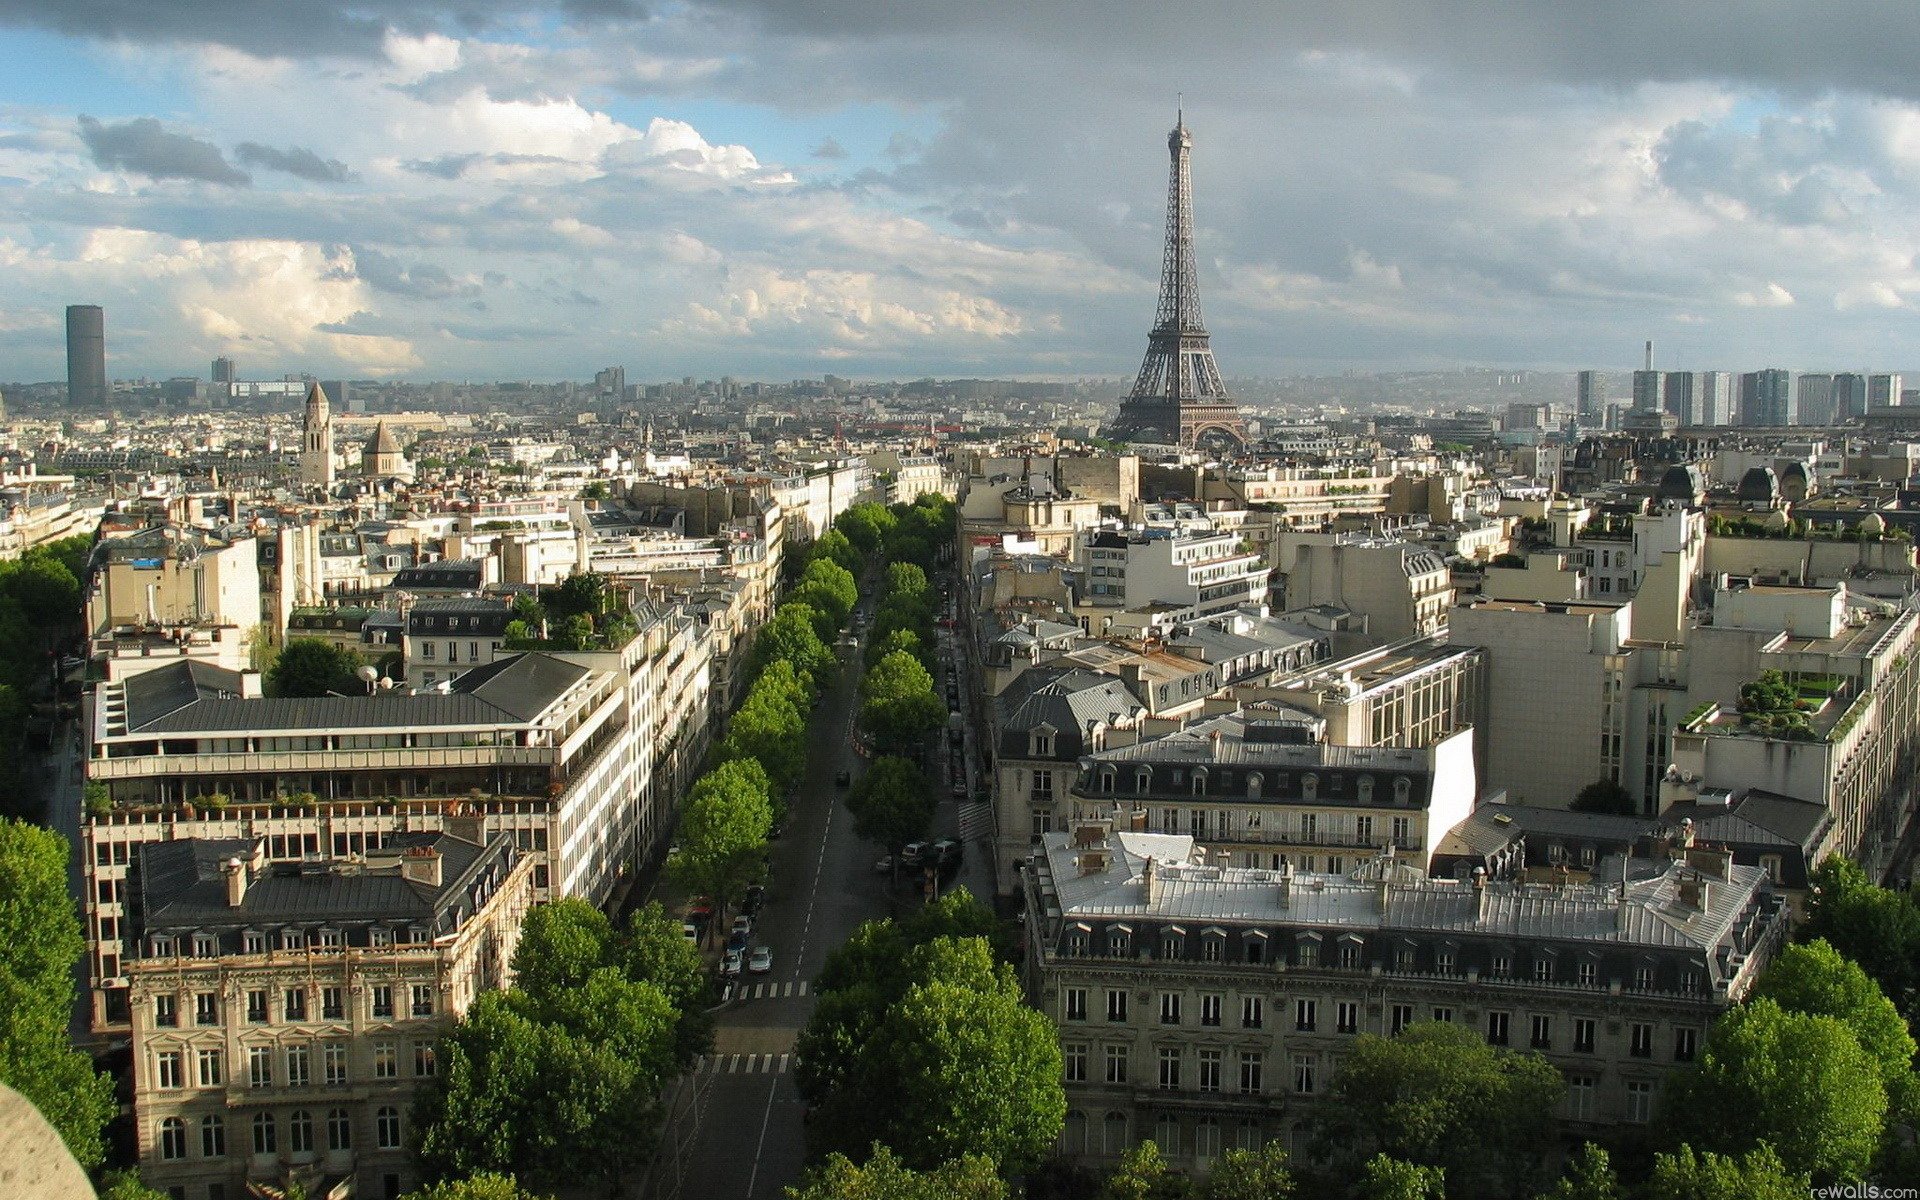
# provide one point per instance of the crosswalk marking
(774, 991)
(744, 1064)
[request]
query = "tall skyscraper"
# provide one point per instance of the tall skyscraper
(1766, 398)
(86, 355)
(223, 371)
(316, 445)
(1883, 391)
(1816, 395)
(1849, 397)
(1716, 398)
(1680, 396)
(1179, 396)
(1646, 385)
(1590, 397)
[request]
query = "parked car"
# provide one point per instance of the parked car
(883, 864)
(743, 925)
(762, 960)
(843, 779)
(737, 941)
(913, 854)
(730, 965)
(751, 903)
(947, 852)
(690, 931)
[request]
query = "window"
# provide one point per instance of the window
(1589, 973)
(1540, 1037)
(1252, 1065)
(1639, 1101)
(1402, 832)
(1583, 1034)
(1251, 1012)
(1347, 1016)
(1497, 1028)
(1502, 965)
(1210, 1009)
(264, 1139)
(1116, 1004)
(386, 1061)
(1403, 959)
(173, 1139)
(1116, 1064)
(296, 1008)
(206, 1008)
(1077, 943)
(1304, 1012)
(1580, 1090)
(300, 1131)
(1210, 1070)
(260, 1066)
(333, 1061)
(1303, 1073)
(1075, 1004)
(299, 1066)
(1169, 1069)
(1401, 1018)
(339, 1130)
(1113, 1134)
(422, 999)
(381, 998)
(293, 939)
(386, 1124)
(253, 942)
(167, 1069)
(257, 1006)
(1206, 1139)
(333, 1004)
(1443, 1012)
(1210, 947)
(166, 1013)
(426, 1063)
(1543, 970)
(1350, 956)
(1443, 960)
(213, 1137)
(1643, 977)
(1169, 1008)
(1641, 1043)
(204, 945)
(1685, 1043)
(1308, 952)
(1166, 1133)
(1074, 1056)
(210, 1073)
(426, 649)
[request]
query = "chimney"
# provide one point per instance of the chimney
(1152, 881)
(236, 876)
(1713, 862)
(1479, 893)
(1383, 896)
(1686, 833)
(1137, 820)
(421, 864)
(1286, 885)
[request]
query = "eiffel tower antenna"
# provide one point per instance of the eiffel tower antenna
(1179, 396)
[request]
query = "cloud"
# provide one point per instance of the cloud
(143, 146)
(420, 281)
(830, 149)
(294, 160)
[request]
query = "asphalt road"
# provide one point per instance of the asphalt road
(736, 1125)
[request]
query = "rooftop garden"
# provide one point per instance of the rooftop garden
(1775, 706)
(1721, 525)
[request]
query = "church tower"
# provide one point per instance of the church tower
(316, 444)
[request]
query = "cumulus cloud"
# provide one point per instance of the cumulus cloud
(294, 160)
(145, 147)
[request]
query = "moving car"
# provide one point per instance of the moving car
(755, 897)
(761, 962)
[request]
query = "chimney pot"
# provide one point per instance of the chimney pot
(236, 876)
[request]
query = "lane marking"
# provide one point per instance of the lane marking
(760, 1149)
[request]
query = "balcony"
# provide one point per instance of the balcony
(1328, 841)
(302, 761)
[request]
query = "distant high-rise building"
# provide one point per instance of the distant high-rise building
(1767, 399)
(223, 371)
(1590, 397)
(1849, 397)
(1715, 398)
(316, 445)
(1179, 396)
(1680, 396)
(1814, 394)
(612, 381)
(1646, 385)
(86, 355)
(339, 392)
(1883, 391)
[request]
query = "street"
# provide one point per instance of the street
(735, 1125)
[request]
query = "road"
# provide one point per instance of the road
(736, 1125)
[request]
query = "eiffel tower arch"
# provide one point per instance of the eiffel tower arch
(1179, 396)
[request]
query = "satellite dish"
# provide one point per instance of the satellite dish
(367, 673)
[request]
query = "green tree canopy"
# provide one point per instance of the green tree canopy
(484, 1186)
(885, 1177)
(1439, 1096)
(1800, 1083)
(1877, 928)
(561, 945)
(1759, 1175)
(835, 547)
(312, 667)
(790, 636)
(899, 709)
(1143, 1173)
(41, 933)
(584, 594)
(865, 525)
(127, 1185)
(768, 731)
(905, 579)
(892, 803)
(1388, 1178)
(835, 585)
(1262, 1174)
(1589, 1176)
(47, 589)
(1604, 796)
(654, 950)
(723, 828)
(1814, 979)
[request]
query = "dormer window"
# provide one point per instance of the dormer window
(1143, 780)
(1253, 785)
(162, 946)
(205, 945)
(1402, 789)
(1364, 789)
(253, 942)
(1309, 786)
(1106, 780)
(1199, 781)
(1119, 939)
(293, 939)
(1040, 742)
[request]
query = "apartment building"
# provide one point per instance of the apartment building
(285, 1015)
(1191, 575)
(1400, 589)
(1209, 1007)
(1411, 694)
(1262, 787)
(174, 575)
(446, 638)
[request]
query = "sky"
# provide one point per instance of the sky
(774, 189)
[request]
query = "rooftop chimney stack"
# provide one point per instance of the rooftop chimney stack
(421, 864)
(236, 875)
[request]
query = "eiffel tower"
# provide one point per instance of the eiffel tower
(1179, 397)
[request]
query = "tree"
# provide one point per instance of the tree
(905, 579)
(1261, 1174)
(835, 547)
(1438, 1095)
(1604, 796)
(898, 705)
(790, 636)
(1143, 1174)
(891, 804)
(864, 525)
(1589, 1177)
(885, 1177)
(1877, 928)
(584, 594)
(45, 587)
(127, 1185)
(561, 945)
(723, 829)
(835, 585)
(1388, 1178)
(1760, 1175)
(1814, 979)
(1800, 1083)
(41, 935)
(484, 1186)
(768, 731)
(654, 951)
(312, 667)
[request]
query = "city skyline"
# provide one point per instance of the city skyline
(528, 192)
